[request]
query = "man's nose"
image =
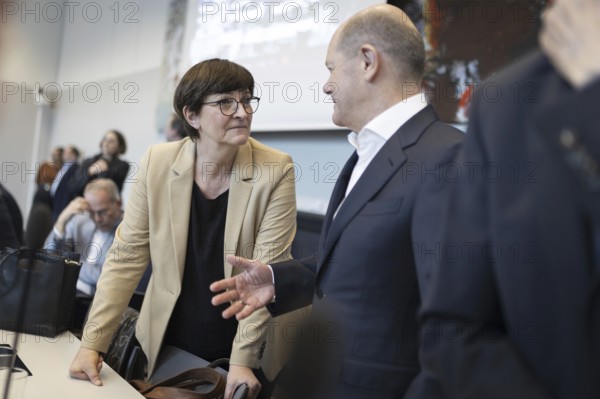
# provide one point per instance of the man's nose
(329, 88)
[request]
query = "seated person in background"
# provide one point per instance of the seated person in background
(60, 190)
(87, 226)
(213, 193)
(174, 130)
(105, 164)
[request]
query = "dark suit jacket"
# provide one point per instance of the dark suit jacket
(363, 282)
(63, 194)
(117, 172)
(517, 314)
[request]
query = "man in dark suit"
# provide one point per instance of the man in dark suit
(60, 190)
(517, 315)
(363, 282)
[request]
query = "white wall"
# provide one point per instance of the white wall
(114, 68)
(30, 46)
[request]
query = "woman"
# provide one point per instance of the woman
(106, 164)
(216, 192)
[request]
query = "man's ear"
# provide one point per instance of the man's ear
(370, 61)
(191, 117)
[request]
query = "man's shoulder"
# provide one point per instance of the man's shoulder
(533, 65)
(447, 132)
(521, 82)
(440, 135)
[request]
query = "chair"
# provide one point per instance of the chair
(124, 355)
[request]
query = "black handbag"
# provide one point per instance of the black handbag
(52, 288)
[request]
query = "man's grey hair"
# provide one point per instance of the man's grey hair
(393, 34)
(106, 185)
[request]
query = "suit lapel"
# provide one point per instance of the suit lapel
(240, 190)
(180, 195)
(339, 191)
(385, 164)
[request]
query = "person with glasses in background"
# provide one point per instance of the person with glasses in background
(216, 192)
(87, 226)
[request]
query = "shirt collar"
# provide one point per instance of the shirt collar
(389, 121)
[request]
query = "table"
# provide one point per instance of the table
(48, 359)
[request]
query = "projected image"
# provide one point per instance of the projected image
(264, 35)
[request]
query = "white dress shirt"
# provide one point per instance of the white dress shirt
(92, 259)
(377, 132)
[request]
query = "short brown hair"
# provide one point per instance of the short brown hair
(120, 138)
(205, 78)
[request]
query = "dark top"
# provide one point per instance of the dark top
(197, 326)
(11, 221)
(117, 172)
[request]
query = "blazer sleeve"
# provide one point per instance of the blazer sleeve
(124, 266)
(52, 241)
(429, 219)
(273, 241)
(70, 240)
(294, 285)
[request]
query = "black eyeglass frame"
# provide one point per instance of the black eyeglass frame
(245, 104)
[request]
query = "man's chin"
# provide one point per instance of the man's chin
(337, 120)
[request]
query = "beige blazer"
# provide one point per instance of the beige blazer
(261, 224)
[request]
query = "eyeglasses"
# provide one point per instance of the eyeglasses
(229, 106)
(101, 213)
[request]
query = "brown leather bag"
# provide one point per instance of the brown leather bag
(198, 383)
